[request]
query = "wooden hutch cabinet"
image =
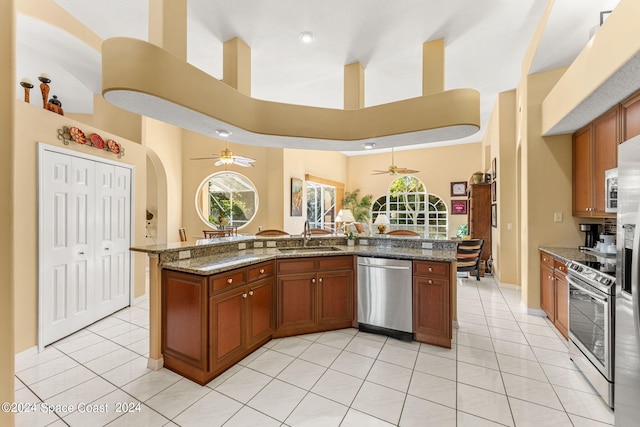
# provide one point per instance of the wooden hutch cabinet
(479, 218)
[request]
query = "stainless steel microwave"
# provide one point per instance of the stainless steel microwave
(611, 190)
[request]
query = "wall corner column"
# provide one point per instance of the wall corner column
(168, 26)
(353, 86)
(432, 67)
(7, 126)
(236, 65)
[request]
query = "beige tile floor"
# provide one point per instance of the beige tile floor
(505, 368)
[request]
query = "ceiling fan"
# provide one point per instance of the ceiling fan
(226, 157)
(393, 169)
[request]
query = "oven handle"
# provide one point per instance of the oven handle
(588, 292)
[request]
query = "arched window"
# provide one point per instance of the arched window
(409, 206)
(228, 197)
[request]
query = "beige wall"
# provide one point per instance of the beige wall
(164, 149)
(271, 175)
(195, 171)
(500, 139)
(546, 185)
(7, 284)
(296, 163)
(438, 166)
(26, 207)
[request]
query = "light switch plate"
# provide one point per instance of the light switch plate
(184, 254)
(271, 244)
(557, 217)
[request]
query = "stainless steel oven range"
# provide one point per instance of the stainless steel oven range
(591, 323)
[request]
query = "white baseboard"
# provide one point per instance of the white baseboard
(140, 298)
(32, 351)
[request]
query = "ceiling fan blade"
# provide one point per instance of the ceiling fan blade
(244, 159)
(205, 158)
(218, 163)
(377, 172)
(405, 170)
(243, 164)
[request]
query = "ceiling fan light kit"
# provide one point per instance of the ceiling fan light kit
(393, 169)
(227, 158)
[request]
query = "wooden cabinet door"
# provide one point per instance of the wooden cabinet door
(335, 298)
(605, 155)
(184, 317)
(296, 296)
(227, 327)
(582, 172)
(431, 310)
(547, 291)
(562, 304)
(260, 311)
(631, 117)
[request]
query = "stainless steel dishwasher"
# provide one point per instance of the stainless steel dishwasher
(384, 297)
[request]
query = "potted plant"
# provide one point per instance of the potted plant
(361, 209)
(351, 238)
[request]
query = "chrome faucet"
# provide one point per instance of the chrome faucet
(306, 233)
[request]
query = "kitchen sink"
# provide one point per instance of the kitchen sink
(310, 249)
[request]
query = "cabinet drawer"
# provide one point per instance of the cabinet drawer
(431, 269)
(226, 280)
(560, 266)
(260, 271)
(547, 259)
(335, 263)
(297, 265)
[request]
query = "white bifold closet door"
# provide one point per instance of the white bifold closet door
(85, 226)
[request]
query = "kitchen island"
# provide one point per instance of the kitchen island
(213, 302)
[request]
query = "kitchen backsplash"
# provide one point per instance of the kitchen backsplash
(610, 226)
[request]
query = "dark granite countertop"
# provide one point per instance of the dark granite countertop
(221, 262)
(574, 254)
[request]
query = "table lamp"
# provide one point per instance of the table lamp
(382, 221)
(345, 216)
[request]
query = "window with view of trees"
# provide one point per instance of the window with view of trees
(227, 198)
(409, 206)
(321, 204)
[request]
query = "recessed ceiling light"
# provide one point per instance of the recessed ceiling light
(223, 133)
(306, 36)
(368, 145)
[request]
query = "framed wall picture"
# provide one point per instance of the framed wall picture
(296, 197)
(458, 207)
(459, 188)
(494, 194)
(494, 169)
(494, 215)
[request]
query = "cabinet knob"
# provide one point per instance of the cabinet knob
(244, 295)
(313, 280)
(430, 282)
(320, 280)
(229, 280)
(262, 271)
(251, 293)
(430, 269)
(545, 259)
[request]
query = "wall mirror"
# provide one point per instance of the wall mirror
(226, 199)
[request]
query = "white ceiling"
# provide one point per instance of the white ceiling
(485, 44)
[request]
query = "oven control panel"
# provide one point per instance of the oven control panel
(590, 275)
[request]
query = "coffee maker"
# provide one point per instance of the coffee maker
(592, 232)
